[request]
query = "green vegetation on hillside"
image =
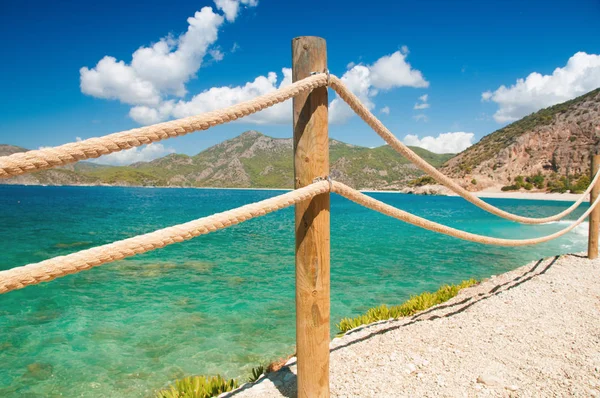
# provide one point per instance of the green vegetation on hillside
(553, 183)
(249, 160)
(125, 176)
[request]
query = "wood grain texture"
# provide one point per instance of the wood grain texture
(311, 160)
(595, 214)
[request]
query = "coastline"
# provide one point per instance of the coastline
(474, 344)
(435, 190)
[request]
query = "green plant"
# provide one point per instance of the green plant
(581, 184)
(510, 188)
(528, 186)
(419, 182)
(537, 180)
(256, 373)
(474, 181)
(559, 185)
(409, 307)
(198, 387)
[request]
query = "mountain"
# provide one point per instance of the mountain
(251, 160)
(554, 143)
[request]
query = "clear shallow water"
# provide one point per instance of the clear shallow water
(220, 303)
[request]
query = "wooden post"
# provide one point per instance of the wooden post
(311, 160)
(595, 214)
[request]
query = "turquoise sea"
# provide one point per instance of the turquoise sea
(220, 303)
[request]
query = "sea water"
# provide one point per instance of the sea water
(223, 302)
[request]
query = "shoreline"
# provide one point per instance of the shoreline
(548, 196)
(460, 346)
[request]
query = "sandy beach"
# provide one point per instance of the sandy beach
(491, 193)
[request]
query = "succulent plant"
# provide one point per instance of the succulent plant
(198, 387)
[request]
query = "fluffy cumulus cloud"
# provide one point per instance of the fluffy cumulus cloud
(358, 78)
(580, 75)
(140, 154)
(162, 69)
(154, 82)
(443, 143)
(231, 8)
(385, 110)
(366, 81)
(221, 97)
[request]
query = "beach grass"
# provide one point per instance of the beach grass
(410, 307)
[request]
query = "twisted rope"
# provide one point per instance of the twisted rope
(401, 215)
(361, 110)
(41, 159)
(31, 274)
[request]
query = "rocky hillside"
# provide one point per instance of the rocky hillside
(249, 160)
(554, 142)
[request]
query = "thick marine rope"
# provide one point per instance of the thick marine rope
(41, 159)
(401, 215)
(361, 110)
(31, 274)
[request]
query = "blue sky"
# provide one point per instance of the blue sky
(457, 53)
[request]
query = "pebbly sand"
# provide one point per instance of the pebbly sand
(532, 332)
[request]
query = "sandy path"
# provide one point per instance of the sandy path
(531, 332)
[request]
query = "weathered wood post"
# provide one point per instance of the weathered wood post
(595, 214)
(311, 160)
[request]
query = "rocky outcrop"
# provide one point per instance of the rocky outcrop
(554, 141)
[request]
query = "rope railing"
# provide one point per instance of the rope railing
(47, 270)
(361, 110)
(22, 163)
(384, 208)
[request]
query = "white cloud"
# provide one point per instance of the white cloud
(140, 154)
(580, 75)
(163, 68)
(421, 116)
(357, 78)
(443, 143)
(154, 83)
(220, 97)
(365, 81)
(423, 102)
(231, 8)
(393, 71)
(216, 54)
(385, 110)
